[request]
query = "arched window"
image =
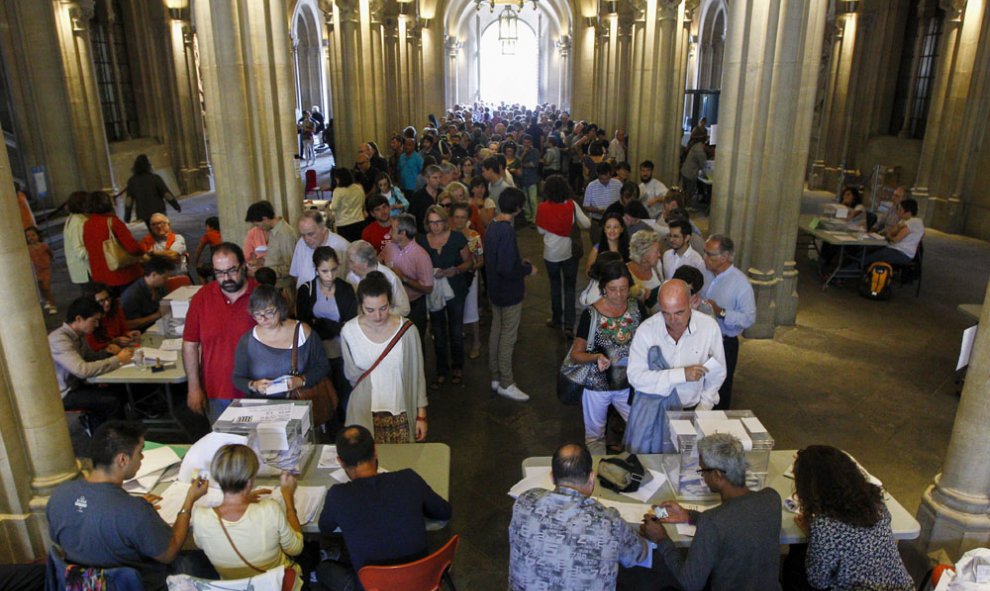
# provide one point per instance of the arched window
(917, 72)
(510, 77)
(114, 74)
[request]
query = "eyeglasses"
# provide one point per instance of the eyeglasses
(433, 222)
(231, 272)
(102, 300)
(712, 255)
(268, 314)
(159, 223)
(703, 470)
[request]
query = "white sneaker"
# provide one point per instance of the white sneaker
(513, 393)
(495, 384)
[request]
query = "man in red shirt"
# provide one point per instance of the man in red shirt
(378, 232)
(217, 318)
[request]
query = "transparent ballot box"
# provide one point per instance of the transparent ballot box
(281, 431)
(685, 428)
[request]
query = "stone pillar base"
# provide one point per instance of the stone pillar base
(765, 291)
(944, 528)
(816, 177)
(195, 179)
(956, 222)
(786, 297)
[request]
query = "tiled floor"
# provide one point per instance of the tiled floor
(875, 378)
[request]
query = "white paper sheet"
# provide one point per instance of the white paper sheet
(328, 458)
(648, 561)
(731, 426)
(685, 529)
(201, 453)
(711, 414)
(539, 478)
(171, 345)
(142, 485)
(151, 355)
(630, 512)
(309, 501)
(753, 425)
(966, 348)
(273, 435)
(646, 491)
(257, 413)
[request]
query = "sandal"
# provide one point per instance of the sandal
(456, 377)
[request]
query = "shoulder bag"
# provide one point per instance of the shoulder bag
(391, 345)
(577, 243)
(231, 540)
(573, 376)
(114, 253)
(322, 394)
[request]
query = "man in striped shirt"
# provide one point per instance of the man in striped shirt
(598, 196)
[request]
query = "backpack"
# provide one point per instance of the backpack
(877, 282)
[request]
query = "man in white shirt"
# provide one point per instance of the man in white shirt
(313, 233)
(675, 361)
(617, 147)
(362, 258)
(651, 191)
(680, 251)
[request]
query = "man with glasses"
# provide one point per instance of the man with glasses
(217, 318)
(675, 361)
(737, 544)
(162, 241)
(731, 297)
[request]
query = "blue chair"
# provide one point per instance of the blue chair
(60, 572)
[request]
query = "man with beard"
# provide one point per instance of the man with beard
(651, 190)
(217, 318)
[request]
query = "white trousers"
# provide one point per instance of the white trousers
(595, 403)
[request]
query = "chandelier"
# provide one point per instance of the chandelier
(491, 4)
(508, 30)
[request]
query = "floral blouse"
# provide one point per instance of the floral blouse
(612, 335)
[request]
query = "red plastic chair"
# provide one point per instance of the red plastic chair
(177, 281)
(937, 572)
(312, 185)
(423, 575)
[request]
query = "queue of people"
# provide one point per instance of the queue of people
(355, 293)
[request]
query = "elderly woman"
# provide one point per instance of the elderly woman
(347, 204)
(454, 192)
(451, 259)
(644, 264)
(850, 544)
(383, 360)
(327, 303)
(103, 222)
(244, 536)
(114, 331)
(556, 218)
(603, 337)
(263, 359)
(362, 258)
(614, 238)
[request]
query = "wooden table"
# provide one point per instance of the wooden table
(903, 524)
(855, 242)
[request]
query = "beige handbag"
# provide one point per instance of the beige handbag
(116, 255)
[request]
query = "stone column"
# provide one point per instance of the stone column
(376, 15)
(392, 63)
(769, 77)
(955, 510)
(250, 97)
(453, 47)
(192, 162)
(939, 165)
(563, 46)
(34, 436)
(72, 23)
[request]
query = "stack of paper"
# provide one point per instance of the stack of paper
(273, 436)
(646, 490)
(153, 466)
(732, 426)
(535, 477)
(328, 458)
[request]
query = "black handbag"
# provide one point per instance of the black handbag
(572, 377)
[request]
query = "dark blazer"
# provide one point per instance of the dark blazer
(346, 304)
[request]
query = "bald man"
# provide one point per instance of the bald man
(676, 361)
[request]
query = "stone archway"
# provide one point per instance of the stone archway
(307, 43)
(712, 46)
(464, 26)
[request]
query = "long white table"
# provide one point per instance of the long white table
(841, 239)
(903, 524)
(130, 374)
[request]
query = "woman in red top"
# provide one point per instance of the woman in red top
(113, 332)
(96, 231)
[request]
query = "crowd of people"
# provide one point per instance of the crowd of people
(425, 237)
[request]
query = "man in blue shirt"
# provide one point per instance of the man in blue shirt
(732, 300)
(381, 516)
(409, 166)
(598, 195)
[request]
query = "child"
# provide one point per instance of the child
(211, 238)
(41, 260)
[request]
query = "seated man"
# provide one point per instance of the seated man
(381, 516)
(75, 361)
(141, 299)
(97, 523)
(361, 260)
(563, 539)
(162, 241)
(737, 544)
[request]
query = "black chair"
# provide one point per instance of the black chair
(911, 272)
(871, 220)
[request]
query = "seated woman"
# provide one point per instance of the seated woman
(244, 536)
(644, 264)
(264, 353)
(604, 335)
(327, 303)
(383, 360)
(114, 330)
(850, 544)
(614, 238)
(853, 200)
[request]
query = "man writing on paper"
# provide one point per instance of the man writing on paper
(381, 516)
(736, 546)
(96, 523)
(675, 361)
(563, 540)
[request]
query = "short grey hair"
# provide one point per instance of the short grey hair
(432, 170)
(363, 252)
(406, 223)
(724, 452)
(725, 245)
(641, 242)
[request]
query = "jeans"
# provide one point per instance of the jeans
(565, 271)
(502, 342)
(449, 324)
(101, 404)
(336, 576)
(887, 255)
(529, 207)
(731, 346)
(418, 315)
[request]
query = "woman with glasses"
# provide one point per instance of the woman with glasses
(114, 330)
(452, 259)
(326, 303)
(263, 359)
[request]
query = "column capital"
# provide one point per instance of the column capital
(376, 11)
(563, 45)
(349, 10)
(953, 9)
(187, 35)
(452, 45)
(667, 9)
(326, 7)
(689, 7)
(80, 13)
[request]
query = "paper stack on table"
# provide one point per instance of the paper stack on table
(647, 489)
(153, 466)
(328, 458)
(535, 477)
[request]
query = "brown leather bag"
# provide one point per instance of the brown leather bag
(322, 394)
